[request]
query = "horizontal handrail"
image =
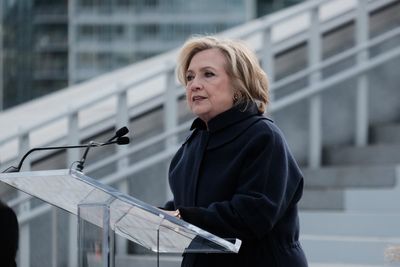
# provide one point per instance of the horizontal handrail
(334, 59)
(118, 88)
(332, 80)
(18, 200)
(269, 21)
(131, 150)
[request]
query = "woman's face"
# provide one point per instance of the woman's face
(208, 87)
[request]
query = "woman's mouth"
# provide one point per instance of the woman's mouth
(198, 98)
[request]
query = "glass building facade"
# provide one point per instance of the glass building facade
(49, 44)
(34, 49)
(109, 34)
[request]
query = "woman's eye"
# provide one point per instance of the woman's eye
(208, 74)
(189, 77)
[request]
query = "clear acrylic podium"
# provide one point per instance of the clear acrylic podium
(103, 211)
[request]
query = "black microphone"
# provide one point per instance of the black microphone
(119, 133)
(121, 140)
(124, 140)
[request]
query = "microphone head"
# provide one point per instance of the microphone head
(124, 140)
(119, 133)
(122, 131)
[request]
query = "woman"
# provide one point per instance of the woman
(234, 176)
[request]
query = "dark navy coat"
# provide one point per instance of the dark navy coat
(238, 179)
(8, 236)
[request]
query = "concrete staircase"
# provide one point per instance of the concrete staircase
(350, 210)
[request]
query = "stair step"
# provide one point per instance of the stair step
(357, 239)
(384, 134)
(147, 260)
(376, 176)
(321, 199)
(375, 200)
(361, 251)
(324, 187)
(379, 225)
(373, 154)
(354, 238)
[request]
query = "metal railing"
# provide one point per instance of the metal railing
(267, 48)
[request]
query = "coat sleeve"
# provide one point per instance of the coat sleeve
(169, 205)
(268, 184)
(9, 235)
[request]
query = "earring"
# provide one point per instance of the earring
(235, 97)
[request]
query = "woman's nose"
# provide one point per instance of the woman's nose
(195, 84)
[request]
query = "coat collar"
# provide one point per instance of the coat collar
(228, 125)
(232, 116)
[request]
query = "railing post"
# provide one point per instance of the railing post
(24, 240)
(267, 58)
(72, 43)
(54, 237)
(73, 155)
(170, 106)
(315, 119)
(24, 146)
(123, 186)
(170, 112)
(1, 58)
(362, 36)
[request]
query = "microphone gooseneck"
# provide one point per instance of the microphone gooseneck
(18, 168)
(123, 140)
(79, 167)
(118, 139)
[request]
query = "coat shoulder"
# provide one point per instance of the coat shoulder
(266, 128)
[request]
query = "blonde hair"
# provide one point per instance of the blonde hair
(249, 81)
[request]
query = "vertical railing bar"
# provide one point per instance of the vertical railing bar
(170, 113)
(362, 36)
(73, 155)
(315, 119)
(24, 242)
(1, 58)
(54, 235)
(267, 59)
(71, 43)
(122, 119)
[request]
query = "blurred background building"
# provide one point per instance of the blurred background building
(47, 45)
